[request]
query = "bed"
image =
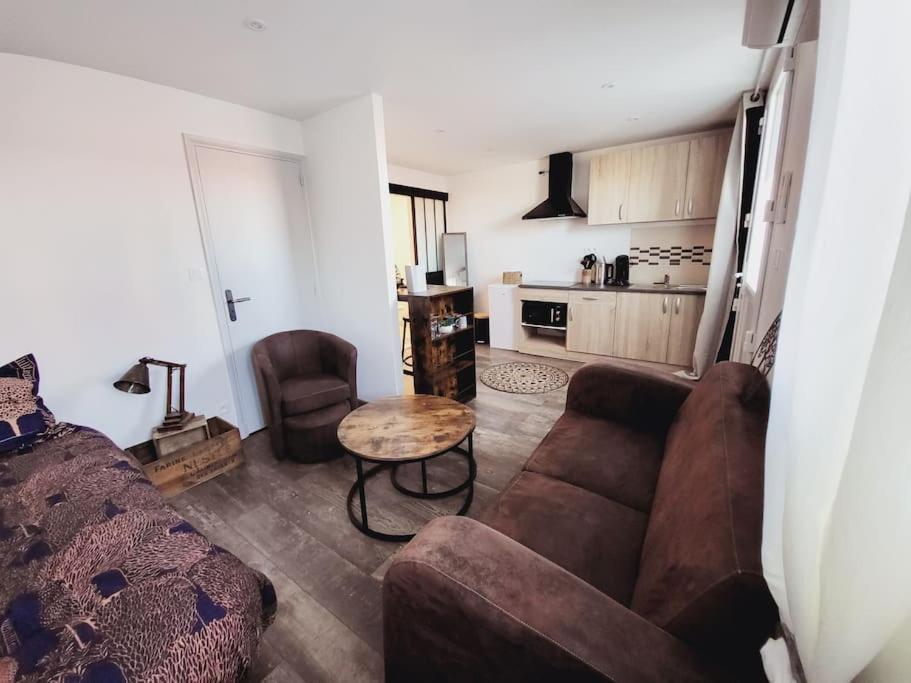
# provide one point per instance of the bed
(101, 580)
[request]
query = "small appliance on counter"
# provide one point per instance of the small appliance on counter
(621, 271)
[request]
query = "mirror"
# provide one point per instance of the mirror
(455, 259)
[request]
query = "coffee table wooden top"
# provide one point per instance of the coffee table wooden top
(404, 428)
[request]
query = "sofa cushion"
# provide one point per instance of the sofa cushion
(592, 537)
(700, 575)
(23, 415)
(312, 391)
(601, 456)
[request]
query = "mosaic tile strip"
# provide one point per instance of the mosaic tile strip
(670, 256)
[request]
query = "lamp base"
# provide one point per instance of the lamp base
(175, 421)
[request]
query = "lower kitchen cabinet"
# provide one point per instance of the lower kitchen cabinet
(642, 326)
(656, 326)
(590, 328)
(686, 312)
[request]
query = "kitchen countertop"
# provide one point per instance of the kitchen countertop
(579, 287)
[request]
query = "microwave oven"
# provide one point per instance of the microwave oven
(544, 314)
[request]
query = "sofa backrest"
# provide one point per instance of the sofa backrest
(700, 573)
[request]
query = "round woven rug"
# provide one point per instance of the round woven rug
(524, 378)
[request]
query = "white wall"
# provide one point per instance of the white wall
(488, 205)
(99, 236)
(348, 190)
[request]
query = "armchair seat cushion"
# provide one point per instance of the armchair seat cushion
(312, 391)
(602, 456)
(592, 537)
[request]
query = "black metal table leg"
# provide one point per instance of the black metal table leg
(359, 489)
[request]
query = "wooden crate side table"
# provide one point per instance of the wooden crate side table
(194, 463)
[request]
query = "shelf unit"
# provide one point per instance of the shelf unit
(443, 365)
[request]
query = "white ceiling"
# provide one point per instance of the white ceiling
(507, 80)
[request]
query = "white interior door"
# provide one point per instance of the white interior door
(253, 216)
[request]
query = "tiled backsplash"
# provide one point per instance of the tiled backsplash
(673, 256)
(682, 252)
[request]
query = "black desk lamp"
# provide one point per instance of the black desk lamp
(136, 381)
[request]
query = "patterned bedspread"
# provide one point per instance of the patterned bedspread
(100, 580)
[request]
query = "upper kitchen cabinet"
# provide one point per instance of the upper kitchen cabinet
(705, 173)
(659, 181)
(608, 188)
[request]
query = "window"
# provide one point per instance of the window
(773, 135)
(419, 218)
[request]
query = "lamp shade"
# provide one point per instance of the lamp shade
(135, 381)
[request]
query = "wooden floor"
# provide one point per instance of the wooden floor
(289, 521)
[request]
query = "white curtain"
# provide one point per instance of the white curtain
(837, 521)
(722, 273)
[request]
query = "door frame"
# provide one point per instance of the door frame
(192, 144)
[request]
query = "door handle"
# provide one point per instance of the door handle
(230, 300)
(677, 305)
(664, 305)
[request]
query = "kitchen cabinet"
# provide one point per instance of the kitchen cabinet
(642, 326)
(608, 188)
(657, 183)
(686, 311)
(590, 328)
(652, 325)
(705, 173)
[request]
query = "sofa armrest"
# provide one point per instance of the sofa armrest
(270, 395)
(339, 357)
(639, 397)
(465, 602)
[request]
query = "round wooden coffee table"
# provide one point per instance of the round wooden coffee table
(402, 429)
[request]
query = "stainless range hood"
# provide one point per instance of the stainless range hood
(559, 203)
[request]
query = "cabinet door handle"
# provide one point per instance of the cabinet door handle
(589, 298)
(689, 207)
(620, 212)
(664, 305)
(570, 314)
(677, 208)
(677, 305)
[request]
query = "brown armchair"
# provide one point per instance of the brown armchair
(307, 383)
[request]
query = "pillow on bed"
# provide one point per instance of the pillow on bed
(23, 416)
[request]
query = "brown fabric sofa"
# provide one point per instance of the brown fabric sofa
(308, 383)
(628, 549)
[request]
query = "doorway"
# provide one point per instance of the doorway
(418, 229)
(254, 222)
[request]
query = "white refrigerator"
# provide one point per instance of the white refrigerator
(502, 316)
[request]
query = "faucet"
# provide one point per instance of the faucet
(666, 282)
